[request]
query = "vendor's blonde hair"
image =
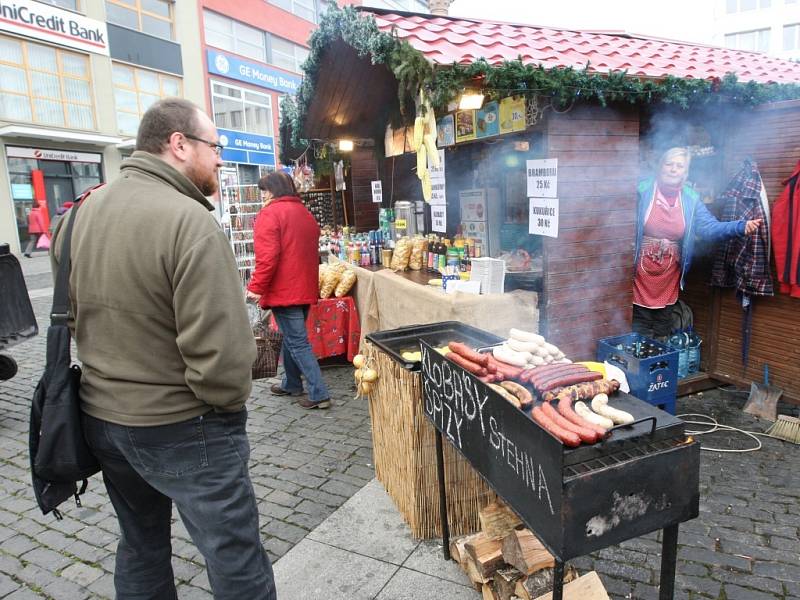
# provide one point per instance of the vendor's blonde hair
(672, 153)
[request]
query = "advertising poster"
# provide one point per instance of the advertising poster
(488, 120)
(445, 131)
(465, 125)
(512, 114)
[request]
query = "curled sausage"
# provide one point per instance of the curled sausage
(601, 407)
(568, 438)
(469, 353)
(593, 417)
(512, 399)
(467, 364)
(586, 435)
(521, 393)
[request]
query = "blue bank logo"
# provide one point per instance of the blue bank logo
(253, 73)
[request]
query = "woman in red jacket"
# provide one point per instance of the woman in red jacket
(286, 279)
(35, 229)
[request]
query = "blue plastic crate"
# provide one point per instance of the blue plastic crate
(654, 379)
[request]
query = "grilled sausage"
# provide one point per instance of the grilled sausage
(504, 370)
(571, 379)
(523, 395)
(568, 438)
(512, 399)
(565, 408)
(469, 353)
(583, 391)
(586, 435)
(466, 364)
(542, 375)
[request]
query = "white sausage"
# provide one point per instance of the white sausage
(585, 412)
(525, 336)
(520, 346)
(512, 357)
(601, 407)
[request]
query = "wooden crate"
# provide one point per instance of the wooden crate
(404, 451)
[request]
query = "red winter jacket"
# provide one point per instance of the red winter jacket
(35, 221)
(786, 235)
(286, 239)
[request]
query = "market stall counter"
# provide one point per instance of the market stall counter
(388, 300)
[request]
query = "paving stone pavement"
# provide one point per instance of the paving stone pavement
(744, 546)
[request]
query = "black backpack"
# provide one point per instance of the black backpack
(60, 457)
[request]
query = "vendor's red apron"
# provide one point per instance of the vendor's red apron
(658, 272)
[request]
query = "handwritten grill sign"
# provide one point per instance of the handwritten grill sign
(513, 454)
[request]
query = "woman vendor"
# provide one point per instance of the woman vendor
(669, 216)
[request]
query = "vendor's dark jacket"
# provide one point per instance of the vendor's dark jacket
(699, 222)
(286, 240)
(158, 308)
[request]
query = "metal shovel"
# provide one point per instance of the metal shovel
(763, 399)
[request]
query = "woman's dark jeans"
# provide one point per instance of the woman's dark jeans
(298, 357)
(202, 466)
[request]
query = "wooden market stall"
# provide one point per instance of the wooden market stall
(590, 105)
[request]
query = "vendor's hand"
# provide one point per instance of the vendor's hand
(252, 296)
(752, 226)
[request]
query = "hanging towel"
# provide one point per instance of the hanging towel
(743, 262)
(786, 239)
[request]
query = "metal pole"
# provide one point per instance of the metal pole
(669, 558)
(558, 580)
(442, 496)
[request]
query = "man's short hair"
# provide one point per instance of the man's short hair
(164, 118)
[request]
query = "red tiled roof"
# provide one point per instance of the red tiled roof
(445, 40)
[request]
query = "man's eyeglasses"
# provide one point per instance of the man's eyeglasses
(216, 147)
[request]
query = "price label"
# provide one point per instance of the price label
(542, 178)
(439, 218)
(377, 192)
(543, 216)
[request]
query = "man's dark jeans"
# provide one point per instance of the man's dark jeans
(202, 466)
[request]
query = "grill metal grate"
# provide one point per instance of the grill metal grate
(622, 456)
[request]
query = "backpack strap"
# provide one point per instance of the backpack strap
(60, 311)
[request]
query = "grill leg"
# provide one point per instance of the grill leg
(442, 496)
(669, 558)
(558, 580)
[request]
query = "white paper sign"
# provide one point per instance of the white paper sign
(438, 195)
(542, 178)
(543, 216)
(439, 218)
(377, 192)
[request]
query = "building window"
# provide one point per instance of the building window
(68, 4)
(153, 17)
(135, 90)
(241, 109)
(791, 37)
(287, 55)
(43, 85)
(757, 41)
(734, 6)
(227, 34)
(304, 9)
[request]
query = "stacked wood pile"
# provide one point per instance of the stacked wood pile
(505, 561)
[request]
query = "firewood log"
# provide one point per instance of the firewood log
(472, 572)
(497, 520)
(486, 553)
(586, 587)
(489, 592)
(540, 583)
(524, 551)
(457, 551)
(505, 582)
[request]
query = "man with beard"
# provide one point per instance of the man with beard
(161, 328)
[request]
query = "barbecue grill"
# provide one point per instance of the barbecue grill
(642, 478)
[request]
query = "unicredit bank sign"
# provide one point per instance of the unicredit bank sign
(49, 23)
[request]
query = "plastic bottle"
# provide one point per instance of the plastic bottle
(678, 342)
(693, 351)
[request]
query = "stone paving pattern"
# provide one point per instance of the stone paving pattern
(744, 546)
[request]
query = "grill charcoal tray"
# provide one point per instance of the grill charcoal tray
(406, 339)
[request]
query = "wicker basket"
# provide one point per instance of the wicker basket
(268, 350)
(404, 449)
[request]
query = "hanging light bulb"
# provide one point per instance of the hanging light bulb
(471, 99)
(346, 145)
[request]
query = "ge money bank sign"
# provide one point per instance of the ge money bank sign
(48, 23)
(253, 73)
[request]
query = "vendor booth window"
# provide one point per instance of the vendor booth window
(287, 55)
(305, 9)
(44, 85)
(135, 90)
(153, 17)
(227, 34)
(241, 109)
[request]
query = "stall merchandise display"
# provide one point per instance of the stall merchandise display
(241, 204)
(321, 205)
